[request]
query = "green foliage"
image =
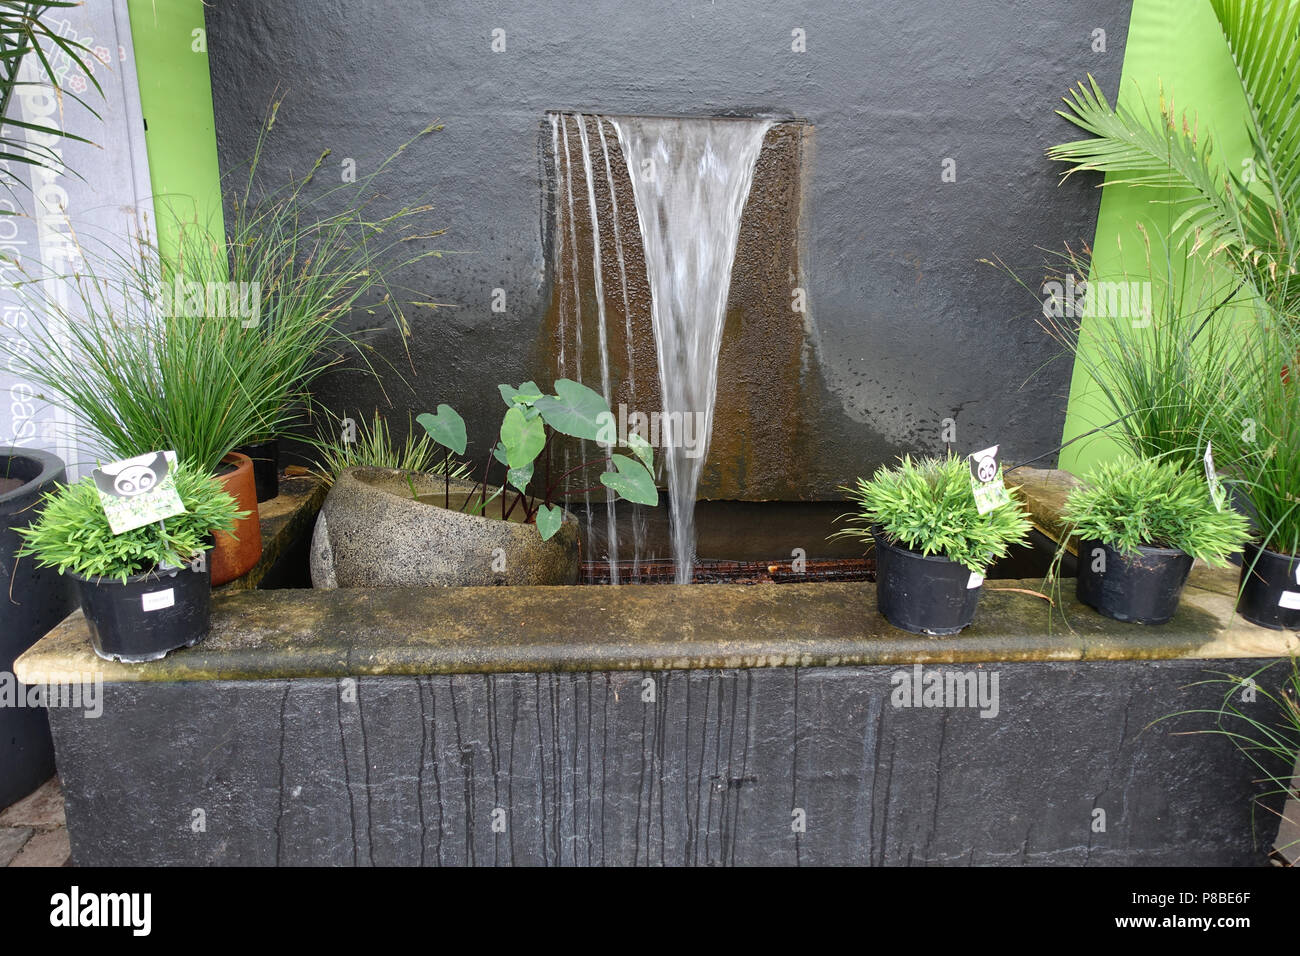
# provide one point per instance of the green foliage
(574, 410)
(72, 531)
(1164, 504)
(1158, 375)
(446, 427)
(631, 481)
(374, 448)
(1256, 431)
(1264, 725)
(549, 518)
(928, 506)
(26, 36)
(216, 345)
(1251, 227)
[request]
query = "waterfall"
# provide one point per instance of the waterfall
(611, 530)
(691, 179)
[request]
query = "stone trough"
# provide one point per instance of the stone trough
(661, 724)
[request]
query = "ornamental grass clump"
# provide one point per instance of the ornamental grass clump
(73, 535)
(927, 505)
(1130, 502)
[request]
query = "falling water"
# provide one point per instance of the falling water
(690, 178)
(638, 511)
(610, 517)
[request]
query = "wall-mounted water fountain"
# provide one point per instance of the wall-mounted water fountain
(691, 329)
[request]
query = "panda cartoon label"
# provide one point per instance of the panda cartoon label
(132, 476)
(984, 465)
(985, 480)
(138, 491)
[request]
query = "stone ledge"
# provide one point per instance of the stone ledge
(304, 633)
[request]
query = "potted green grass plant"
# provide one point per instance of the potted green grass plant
(1140, 525)
(1256, 430)
(932, 544)
(144, 592)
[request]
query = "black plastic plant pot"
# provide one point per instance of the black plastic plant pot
(924, 594)
(1270, 589)
(266, 467)
(1142, 588)
(32, 600)
(148, 616)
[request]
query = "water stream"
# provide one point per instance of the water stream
(691, 178)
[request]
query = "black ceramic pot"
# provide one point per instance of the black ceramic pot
(32, 600)
(148, 616)
(1142, 588)
(1270, 589)
(924, 594)
(266, 467)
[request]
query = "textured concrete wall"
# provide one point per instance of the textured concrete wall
(579, 768)
(905, 327)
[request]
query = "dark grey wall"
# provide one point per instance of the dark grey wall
(906, 327)
(409, 770)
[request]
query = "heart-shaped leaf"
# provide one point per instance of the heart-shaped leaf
(632, 481)
(520, 477)
(641, 448)
(549, 519)
(577, 411)
(524, 439)
(525, 394)
(499, 453)
(446, 427)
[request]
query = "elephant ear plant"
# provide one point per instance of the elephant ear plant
(932, 543)
(145, 591)
(531, 419)
(1140, 525)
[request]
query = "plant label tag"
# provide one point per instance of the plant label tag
(1289, 600)
(138, 491)
(974, 581)
(158, 600)
(1217, 494)
(986, 481)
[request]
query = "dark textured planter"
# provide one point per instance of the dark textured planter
(371, 532)
(32, 600)
(1270, 589)
(150, 615)
(1142, 588)
(265, 456)
(924, 594)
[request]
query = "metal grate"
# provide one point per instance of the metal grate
(733, 572)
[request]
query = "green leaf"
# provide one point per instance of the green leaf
(525, 394)
(632, 481)
(520, 477)
(549, 519)
(446, 427)
(499, 453)
(641, 448)
(524, 439)
(577, 411)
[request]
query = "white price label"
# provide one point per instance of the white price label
(157, 600)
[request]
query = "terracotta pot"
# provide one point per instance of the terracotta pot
(235, 555)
